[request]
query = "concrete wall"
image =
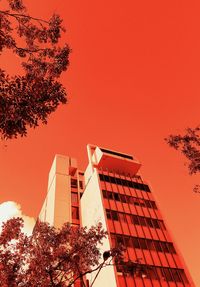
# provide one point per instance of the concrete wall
(57, 205)
(92, 214)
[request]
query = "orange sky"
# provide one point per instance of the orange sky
(134, 78)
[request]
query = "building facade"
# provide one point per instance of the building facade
(112, 191)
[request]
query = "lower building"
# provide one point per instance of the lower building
(113, 192)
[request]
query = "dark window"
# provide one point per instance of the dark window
(155, 223)
(142, 221)
(120, 240)
(149, 222)
(135, 242)
(124, 182)
(74, 197)
(151, 271)
(148, 203)
(74, 183)
(75, 213)
(114, 215)
(108, 214)
(81, 184)
(135, 220)
(104, 193)
(153, 204)
(123, 198)
(110, 195)
(127, 241)
(116, 196)
(116, 153)
(136, 201)
(150, 245)
(171, 248)
(175, 275)
(143, 244)
(157, 246)
(168, 275)
(164, 246)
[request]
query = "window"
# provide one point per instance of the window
(114, 215)
(116, 153)
(142, 221)
(149, 222)
(135, 242)
(104, 193)
(127, 241)
(171, 248)
(123, 198)
(157, 246)
(122, 217)
(120, 240)
(164, 247)
(153, 204)
(136, 201)
(143, 244)
(75, 213)
(116, 196)
(175, 275)
(74, 197)
(155, 223)
(150, 245)
(148, 203)
(81, 184)
(108, 214)
(110, 195)
(124, 182)
(168, 275)
(73, 183)
(135, 220)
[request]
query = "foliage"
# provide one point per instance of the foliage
(189, 145)
(27, 99)
(50, 257)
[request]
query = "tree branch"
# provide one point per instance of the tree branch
(16, 15)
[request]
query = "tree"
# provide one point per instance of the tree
(50, 257)
(28, 99)
(189, 145)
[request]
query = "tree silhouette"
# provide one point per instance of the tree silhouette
(189, 145)
(28, 99)
(51, 257)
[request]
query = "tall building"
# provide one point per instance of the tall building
(112, 191)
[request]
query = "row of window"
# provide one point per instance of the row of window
(158, 273)
(74, 183)
(135, 219)
(124, 182)
(142, 243)
(75, 212)
(116, 153)
(129, 199)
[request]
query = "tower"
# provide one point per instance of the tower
(113, 192)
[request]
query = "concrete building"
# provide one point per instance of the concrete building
(112, 191)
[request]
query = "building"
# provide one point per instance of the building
(112, 191)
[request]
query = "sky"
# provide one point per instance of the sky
(133, 79)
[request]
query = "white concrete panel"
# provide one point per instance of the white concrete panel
(93, 213)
